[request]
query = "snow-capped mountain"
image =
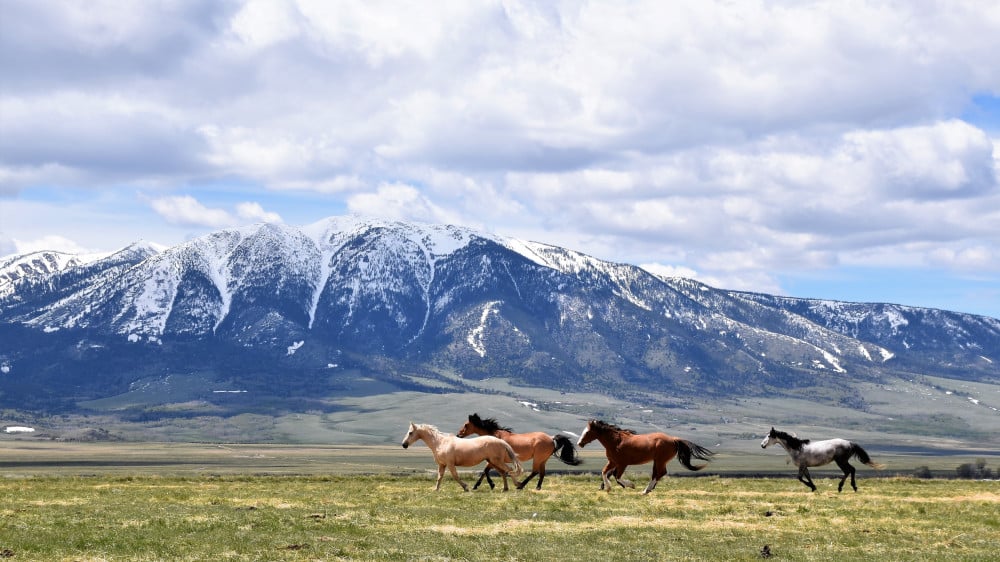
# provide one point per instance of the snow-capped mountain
(25, 267)
(411, 301)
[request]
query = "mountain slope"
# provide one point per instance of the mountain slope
(296, 312)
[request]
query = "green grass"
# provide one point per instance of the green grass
(384, 517)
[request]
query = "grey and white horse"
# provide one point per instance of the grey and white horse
(806, 453)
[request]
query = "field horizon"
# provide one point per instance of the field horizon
(26, 458)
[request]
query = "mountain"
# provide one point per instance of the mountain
(299, 315)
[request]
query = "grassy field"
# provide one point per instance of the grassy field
(21, 458)
(399, 517)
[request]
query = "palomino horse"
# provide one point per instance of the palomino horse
(450, 451)
(806, 453)
(623, 447)
(537, 446)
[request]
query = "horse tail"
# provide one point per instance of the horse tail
(513, 459)
(565, 452)
(862, 455)
(687, 449)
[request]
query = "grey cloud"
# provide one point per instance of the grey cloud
(45, 44)
(101, 143)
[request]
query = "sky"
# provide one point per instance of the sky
(840, 150)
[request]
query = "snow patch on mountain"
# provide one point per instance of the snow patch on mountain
(35, 265)
(475, 337)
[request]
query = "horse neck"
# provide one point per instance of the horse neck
(610, 437)
(432, 438)
(482, 430)
(788, 449)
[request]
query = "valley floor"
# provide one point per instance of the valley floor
(20, 458)
(399, 517)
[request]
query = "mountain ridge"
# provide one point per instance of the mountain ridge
(409, 304)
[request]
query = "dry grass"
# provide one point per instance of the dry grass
(399, 518)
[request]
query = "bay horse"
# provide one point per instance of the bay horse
(624, 447)
(537, 446)
(806, 453)
(450, 451)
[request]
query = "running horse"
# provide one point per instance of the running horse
(450, 451)
(624, 447)
(806, 453)
(537, 446)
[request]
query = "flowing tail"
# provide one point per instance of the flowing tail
(862, 455)
(517, 470)
(687, 449)
(565, 452)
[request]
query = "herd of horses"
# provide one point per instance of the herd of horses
(503, 450)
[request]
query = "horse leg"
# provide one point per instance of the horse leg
(805, 478)
(454, 474)
(605, 483)
(604, 471)
(437, 485)
(486, 475)
(659, 471)
(534, 472)
(619, 472)
(525, 481)
(502, 470)
(848, 471)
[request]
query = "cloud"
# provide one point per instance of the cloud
(7, 245)
(186, 210)
(734, 140)
(51, 242)
(254, 212)
(399, 201)
(666, 270)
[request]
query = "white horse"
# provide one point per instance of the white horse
(450, 451)
(806, 453)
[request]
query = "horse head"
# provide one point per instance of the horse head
(588, 435)
(770, 439)
(468, 428)
(411, 436)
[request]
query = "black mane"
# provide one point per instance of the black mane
(605, 426)
(488, 424)
(790, 440)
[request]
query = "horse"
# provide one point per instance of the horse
(537, 446)
(450, 451)
(624, 447)
(806, 453)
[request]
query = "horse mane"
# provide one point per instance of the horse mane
(605, 426)
(790, 440)
(429, 427)
(488, 424)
